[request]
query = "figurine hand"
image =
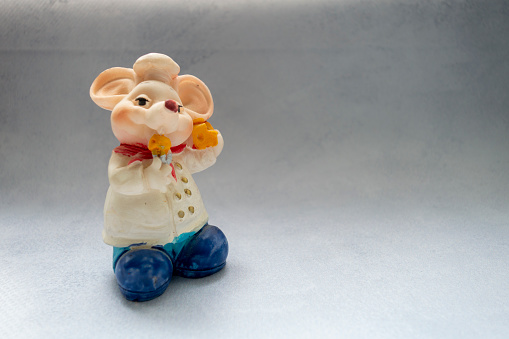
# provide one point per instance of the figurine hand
(158, 175)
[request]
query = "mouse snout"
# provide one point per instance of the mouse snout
(172, 105)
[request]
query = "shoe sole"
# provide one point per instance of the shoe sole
(195, 274)
(143, 296)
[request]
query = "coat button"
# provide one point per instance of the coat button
(179, 166)
(188, 192)
(184, 180)
(178, 196)
(181, 214)
(191, 209)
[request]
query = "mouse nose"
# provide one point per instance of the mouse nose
(171, 105)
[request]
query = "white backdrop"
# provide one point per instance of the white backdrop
(363, 186)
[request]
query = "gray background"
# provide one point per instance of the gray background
(363, 185)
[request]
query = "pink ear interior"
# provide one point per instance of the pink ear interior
(195, 96)
(111, 86)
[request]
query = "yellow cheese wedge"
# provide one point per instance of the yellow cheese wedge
(159, 145)
(204, 135)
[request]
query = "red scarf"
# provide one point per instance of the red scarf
(140, 152)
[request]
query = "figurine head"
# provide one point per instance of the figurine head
(151, 98)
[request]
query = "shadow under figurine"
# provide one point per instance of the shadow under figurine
(154, 216)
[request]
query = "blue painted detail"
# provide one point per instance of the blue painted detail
(143, 274)
(204, 254)
(117, 253)
(172, 249)
(138, 244)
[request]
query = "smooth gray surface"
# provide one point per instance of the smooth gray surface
(363, 185)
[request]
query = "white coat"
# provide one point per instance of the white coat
(135, 213)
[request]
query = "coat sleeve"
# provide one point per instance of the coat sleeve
(126, 178)
(197, 160)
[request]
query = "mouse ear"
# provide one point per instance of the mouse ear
(111, 86)
(196, 97)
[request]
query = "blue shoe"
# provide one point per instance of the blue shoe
(144, 274)
(203, 255)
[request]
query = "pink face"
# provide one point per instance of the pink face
(151, 107)
(165, 103)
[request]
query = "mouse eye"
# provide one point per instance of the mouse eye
(141, 101)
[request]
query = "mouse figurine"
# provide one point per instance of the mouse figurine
(154, 215)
